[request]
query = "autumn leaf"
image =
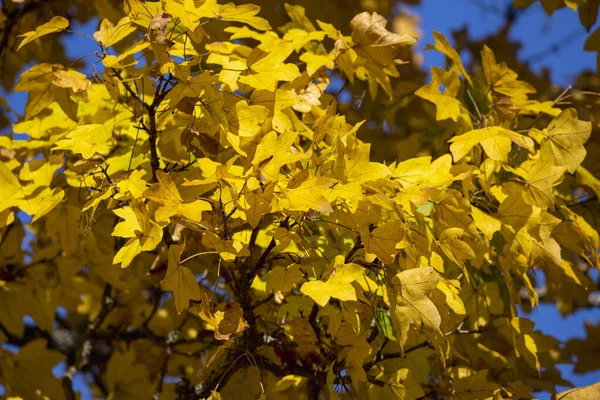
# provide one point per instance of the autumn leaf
(12, 193)
(110, 34)
(583, 393)
(382, 240)
(56, 24)
(166, 194)
(179, 280)
(564, 139)
(283, 279)
(410, 304)
(443, 46)
(502, 79)
(338, 285)
(306, 191)
(265, 66)
(375, 42)
(495, 141)
(71, 79)
(144, 234)
(475, 386)
(87, 140)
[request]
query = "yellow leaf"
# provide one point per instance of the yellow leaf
(518, 332)
(447, 106)
(133, 187)
(450, 290)
(411, 172)
(266, 66)
(443, 46)
(590, 392)
(41, 202)
(502, 79)
(357, 167)
(338, 285)
(10, 187)
(274, 151)
(493, 140)
(56, 24)
(283, 279)
(375, 42)
(410, 304)
(38, 81)
(482, 301)
(245, 13)
(564, 139)
(188, 11)
(71, 79)
(475, 386)
(87, 140)
(540, 180)
(314, 62)
(585, 177)
(301, 37)
(179, 280)
(454, 247)
(145, 235)
(487, 224)
(166, 194)
(306, 191)
(257, 203)
(227, 249)
(193, 88)
(382, 240)
(109, 34)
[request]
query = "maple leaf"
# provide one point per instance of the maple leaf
(375, 42)
(33, 359)
(192, 88)
(540, 180)
(447, 105)
(357, 167)
(589, 392)
(443, 46)
(519, 333)
(410, 304)
(306, 191)
(338, 285)
(56, 24)
(227, 249)
(166, 194)
(180, 280)
(144, 234)
(502, 79)
(110, 34)
(283, 279)
(133, 187)
(38, 81)
(564, 139)
(476, 386)
(266, 66)
(12, 193)
(87, 140)
(495, 141)
(382, 240)
(245, 13)
(455, 249)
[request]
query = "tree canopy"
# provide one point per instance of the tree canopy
(199, 212)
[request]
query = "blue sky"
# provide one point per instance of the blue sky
(445, 16)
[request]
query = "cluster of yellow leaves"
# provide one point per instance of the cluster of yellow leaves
(233, 183)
